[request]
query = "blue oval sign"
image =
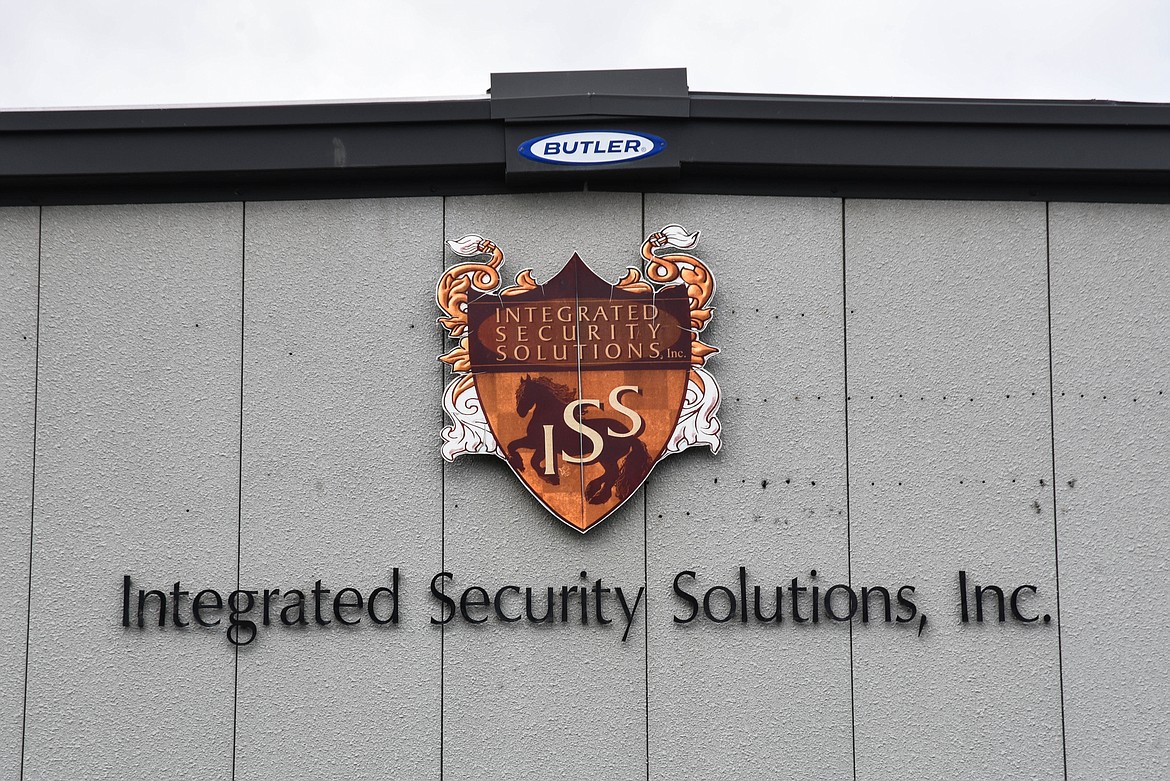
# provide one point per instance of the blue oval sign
(591, 147)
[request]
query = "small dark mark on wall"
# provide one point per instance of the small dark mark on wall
(763, 484)
(972, 398)
(1036, 506)
(1072, 483)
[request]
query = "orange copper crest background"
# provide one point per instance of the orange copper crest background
(578, 383)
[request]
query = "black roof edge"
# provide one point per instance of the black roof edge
(657, 92)
(724, 142)
(712, 105)
(927, 110)
(246, 115)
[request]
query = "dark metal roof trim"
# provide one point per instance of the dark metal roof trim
(758, 144)
(239, 116)
(712, 105)
(634, 93)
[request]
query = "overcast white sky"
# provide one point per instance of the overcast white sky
(133, 52)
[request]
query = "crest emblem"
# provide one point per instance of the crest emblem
(580, 384)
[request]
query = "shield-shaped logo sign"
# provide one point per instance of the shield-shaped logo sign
(580, 384)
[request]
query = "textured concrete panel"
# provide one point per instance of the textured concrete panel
(341, 482)
(950, 461)
(1111, 371)
(137, 470)
(18, 333)
(756, 700)
(537, 700)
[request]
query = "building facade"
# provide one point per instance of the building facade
(944, 363)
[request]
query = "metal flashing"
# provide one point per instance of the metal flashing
(721, 143)
(658, 92)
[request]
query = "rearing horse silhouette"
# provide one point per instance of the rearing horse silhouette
(549, 400)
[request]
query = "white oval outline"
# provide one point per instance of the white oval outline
(658, 144)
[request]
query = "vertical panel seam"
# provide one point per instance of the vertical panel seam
(239, 472)
(32, 502)
(442, 502)
(1052, 442)
(848, 515)
(646, 567)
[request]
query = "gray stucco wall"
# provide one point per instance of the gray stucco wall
(18, 329)
(249, 393)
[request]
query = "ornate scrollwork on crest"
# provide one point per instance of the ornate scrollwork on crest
(470, 432)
